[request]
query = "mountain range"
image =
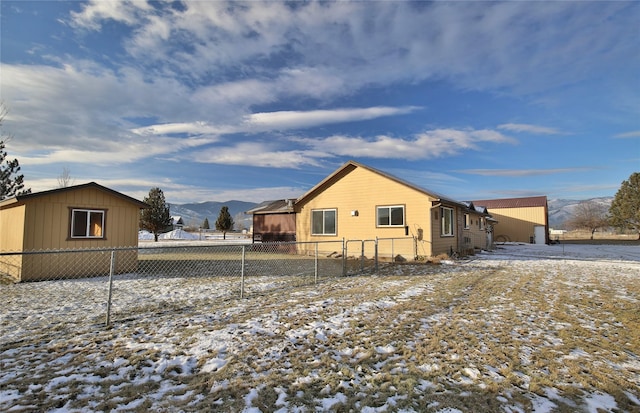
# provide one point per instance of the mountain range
(194, 214)
(560, 210)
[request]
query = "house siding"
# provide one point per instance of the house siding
(517, 224)
(517, 217)
(360, 189)
(446, 244)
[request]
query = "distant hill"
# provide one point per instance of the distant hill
(194, 214)
(560, 210)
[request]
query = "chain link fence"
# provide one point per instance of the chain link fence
(103, 286)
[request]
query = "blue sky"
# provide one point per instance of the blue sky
(213, 101)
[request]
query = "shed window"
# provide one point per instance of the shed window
(323, 222)
(390, 216)
(87, 223)
(446, 221)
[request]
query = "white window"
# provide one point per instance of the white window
(323, 222)
(467, 221)
(390, 216)
(481, 223)
(87, 223)
(446, 221)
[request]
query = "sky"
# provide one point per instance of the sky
(253, 101)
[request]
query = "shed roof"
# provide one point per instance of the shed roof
(27, 197)
(532, 201)
(350, 165)
(273, 207)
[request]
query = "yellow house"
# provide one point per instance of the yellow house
(520, 219)
(357, 202)
(81, 217)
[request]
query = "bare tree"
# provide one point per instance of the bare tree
(589, 215)
(65, 180)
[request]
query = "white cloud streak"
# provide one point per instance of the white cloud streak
(427, 145)
(627, 135)
(306, 119)
(521, 172)
(526, 128)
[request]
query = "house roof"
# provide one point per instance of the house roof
(476, 208)
(273, 207)
(351, 165)
(26, 197)
(532, 201)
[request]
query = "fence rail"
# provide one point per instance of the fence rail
(99, 285)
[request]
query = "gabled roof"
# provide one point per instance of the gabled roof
(26, 197)
(273, 207)
(476, 208)
(532, 201)
(351, 165)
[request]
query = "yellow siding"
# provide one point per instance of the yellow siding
(42, 223)
(518, 223)
(48, 220)
(475, 237)
(362, 190)
(443, 244)
(11, 239)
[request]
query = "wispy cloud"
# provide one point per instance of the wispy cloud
(427, 145)
(521, 172)
(627, 135)
(258, 154)
(276, 121)
(306, 119)
(526, 128)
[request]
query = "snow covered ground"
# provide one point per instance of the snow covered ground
(526, 328)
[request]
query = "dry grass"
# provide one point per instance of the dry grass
(474, 337)
(584, 237)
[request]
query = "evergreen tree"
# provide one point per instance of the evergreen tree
(205, 224)
(156, 218)
(10, 182)
(224, 222)
(625, 209)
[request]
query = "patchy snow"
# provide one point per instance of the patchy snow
(526, 328)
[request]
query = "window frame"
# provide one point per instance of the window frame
(90, 212)
(450, 212)
(335, 221)
(390, 224)
(467, 221)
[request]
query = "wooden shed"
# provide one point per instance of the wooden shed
(274, 221)
(81, 217)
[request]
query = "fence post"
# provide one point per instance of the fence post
(242, 274)
(376, 255)
(393, 257)
(112, 268)
(362, 257)
(344, 258)
(316, 265)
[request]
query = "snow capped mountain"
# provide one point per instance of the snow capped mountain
(195, 213)
(561, 210)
